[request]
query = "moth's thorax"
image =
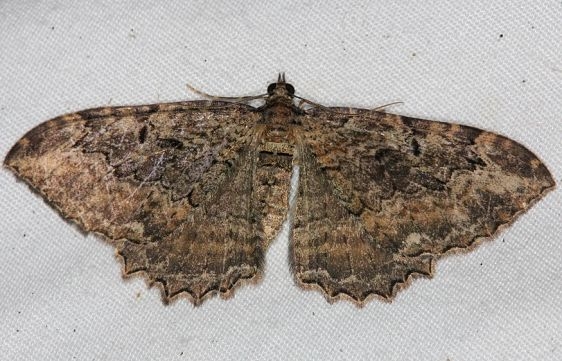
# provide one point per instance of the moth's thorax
(279, 113)
(278, 124)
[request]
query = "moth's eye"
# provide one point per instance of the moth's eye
(270, 88)
(290, 89)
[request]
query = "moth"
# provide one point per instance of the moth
(192, 193)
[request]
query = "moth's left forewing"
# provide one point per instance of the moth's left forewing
(168, 184)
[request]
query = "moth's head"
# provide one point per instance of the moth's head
(281, 88)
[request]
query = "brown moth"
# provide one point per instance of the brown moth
(192, 193)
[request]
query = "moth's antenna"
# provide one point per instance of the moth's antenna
(386, 105)
(306, 101)
(232, 99)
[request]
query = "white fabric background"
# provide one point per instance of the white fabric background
(495, 65)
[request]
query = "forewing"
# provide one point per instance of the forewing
(382, 196)
(170, 185)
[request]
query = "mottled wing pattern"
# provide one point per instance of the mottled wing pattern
(382, 196)
(173, 186)
(191, 193)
